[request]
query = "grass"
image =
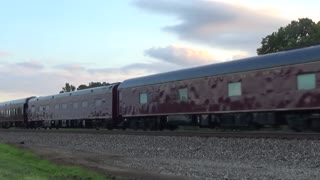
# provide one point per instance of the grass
(17, 164)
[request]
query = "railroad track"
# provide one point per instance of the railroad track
(185, 133)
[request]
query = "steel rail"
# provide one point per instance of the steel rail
(183, 133)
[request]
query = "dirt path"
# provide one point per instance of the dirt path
(96, 161)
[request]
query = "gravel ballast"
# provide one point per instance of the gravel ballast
(190, 157)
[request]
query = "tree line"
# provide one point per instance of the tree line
(297, 34)
(69, 87)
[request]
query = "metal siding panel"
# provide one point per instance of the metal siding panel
(267, 89)
(91, 112)
(12, 105)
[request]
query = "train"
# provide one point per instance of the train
(275, 90)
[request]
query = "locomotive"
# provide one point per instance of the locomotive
(279, 89)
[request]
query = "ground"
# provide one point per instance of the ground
(94, 161)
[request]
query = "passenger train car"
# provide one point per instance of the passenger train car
(85, 108)
(270, 90)
(274, 89)
(14, 113)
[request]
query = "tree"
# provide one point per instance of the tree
(297, 34)
(68, 88)
(92, 85)
(82, 86)
(97, 84)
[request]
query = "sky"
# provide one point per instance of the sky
(44, 44)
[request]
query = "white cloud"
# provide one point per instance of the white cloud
(4, 54)
(181, 56)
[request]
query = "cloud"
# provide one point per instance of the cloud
(182, 56)
(240, 55)
(21, 68)
(4, 54)
(25, 79)
(71, 67)
(132, 70)
(30, 65)
(214, 23)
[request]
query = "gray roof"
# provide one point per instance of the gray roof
(298, 56)
(17, 101)
(107, 88)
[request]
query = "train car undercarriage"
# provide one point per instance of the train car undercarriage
(307, 120)
(295, 120)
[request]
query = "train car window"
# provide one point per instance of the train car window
(234, 89)
(85, 104)
(33, 109)
(75, 105)
(64, 106)
(306, 81)
(183, 94)
(98, 102)
(143, 98)
(47, 108)
(56, 106)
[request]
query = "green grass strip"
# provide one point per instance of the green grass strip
(17, 164)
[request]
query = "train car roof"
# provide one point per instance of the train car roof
(107, 88)
(284, 58)
(17, 101)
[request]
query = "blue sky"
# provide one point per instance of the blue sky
(44, 44)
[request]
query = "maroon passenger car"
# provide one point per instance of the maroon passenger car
(93, 107)
(279, 88)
